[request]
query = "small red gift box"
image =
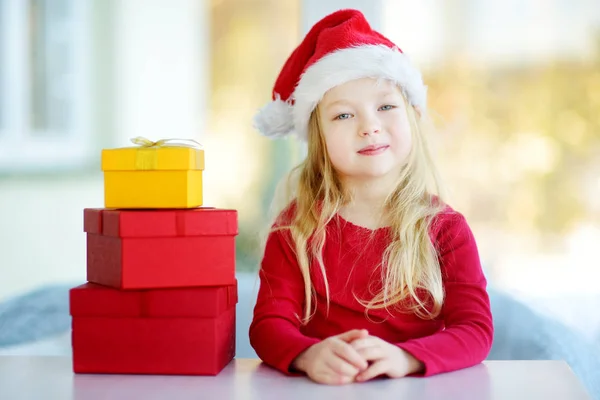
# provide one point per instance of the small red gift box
(151, 249)
(184, 331)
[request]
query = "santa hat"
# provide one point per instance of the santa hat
(339, 48)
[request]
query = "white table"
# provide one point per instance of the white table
(51, 378)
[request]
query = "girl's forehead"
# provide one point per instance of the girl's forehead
(360, 89)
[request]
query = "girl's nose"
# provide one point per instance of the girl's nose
(369, 132)
(370, 125)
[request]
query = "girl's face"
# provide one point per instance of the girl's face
(366, 128)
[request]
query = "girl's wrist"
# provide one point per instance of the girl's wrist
(298, 363)
(414, 365)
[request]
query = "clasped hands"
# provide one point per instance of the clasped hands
(355, 356)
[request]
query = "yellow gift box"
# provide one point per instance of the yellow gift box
(162, 174)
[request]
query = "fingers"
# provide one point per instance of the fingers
(342, 379)
(363, 343)
(328, 377)
(346, 352)
(370, 348)
(377, 368)
(341, 367)
(353, 335)
(335, 371)
(373, 353)
(334, 379)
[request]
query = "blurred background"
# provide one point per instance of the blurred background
(514, 91)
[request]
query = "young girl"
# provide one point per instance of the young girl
(366, 271)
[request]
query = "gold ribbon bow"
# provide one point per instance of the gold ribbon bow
(145, 142)
(146, 158)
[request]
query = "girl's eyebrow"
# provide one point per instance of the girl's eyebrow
(337, 102)
(388, 92)
(345, 102)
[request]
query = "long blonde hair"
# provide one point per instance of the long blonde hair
(411, 276)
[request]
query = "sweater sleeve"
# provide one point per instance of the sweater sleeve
(467, 337)
(275, 329)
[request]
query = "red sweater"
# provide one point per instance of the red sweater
(460, 337)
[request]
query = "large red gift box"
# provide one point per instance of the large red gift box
(148, 249)
(183, 331)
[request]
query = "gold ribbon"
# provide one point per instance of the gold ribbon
(172, 142)
(146, 157)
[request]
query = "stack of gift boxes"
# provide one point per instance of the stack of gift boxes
(161, 292)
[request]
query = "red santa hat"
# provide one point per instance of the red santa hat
(339, 48)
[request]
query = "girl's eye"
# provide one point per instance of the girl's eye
(386, 107)
(343, 116)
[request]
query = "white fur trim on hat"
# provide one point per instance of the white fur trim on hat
(275, 119)
(336, 68)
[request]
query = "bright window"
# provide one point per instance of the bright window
(44, 69)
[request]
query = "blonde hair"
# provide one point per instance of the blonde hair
(411, 275)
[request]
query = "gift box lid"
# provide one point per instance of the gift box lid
(201, 221)
(152, 158)
(92, 300)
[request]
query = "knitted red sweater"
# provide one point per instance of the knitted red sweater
(460, 337)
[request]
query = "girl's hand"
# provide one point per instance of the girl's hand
(333, 361)
(385, 359)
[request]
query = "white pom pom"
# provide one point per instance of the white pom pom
(275, 119)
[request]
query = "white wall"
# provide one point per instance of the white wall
(162, 68)
(160, 78)
(41, 231)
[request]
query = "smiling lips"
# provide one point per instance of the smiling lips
(373, 149)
